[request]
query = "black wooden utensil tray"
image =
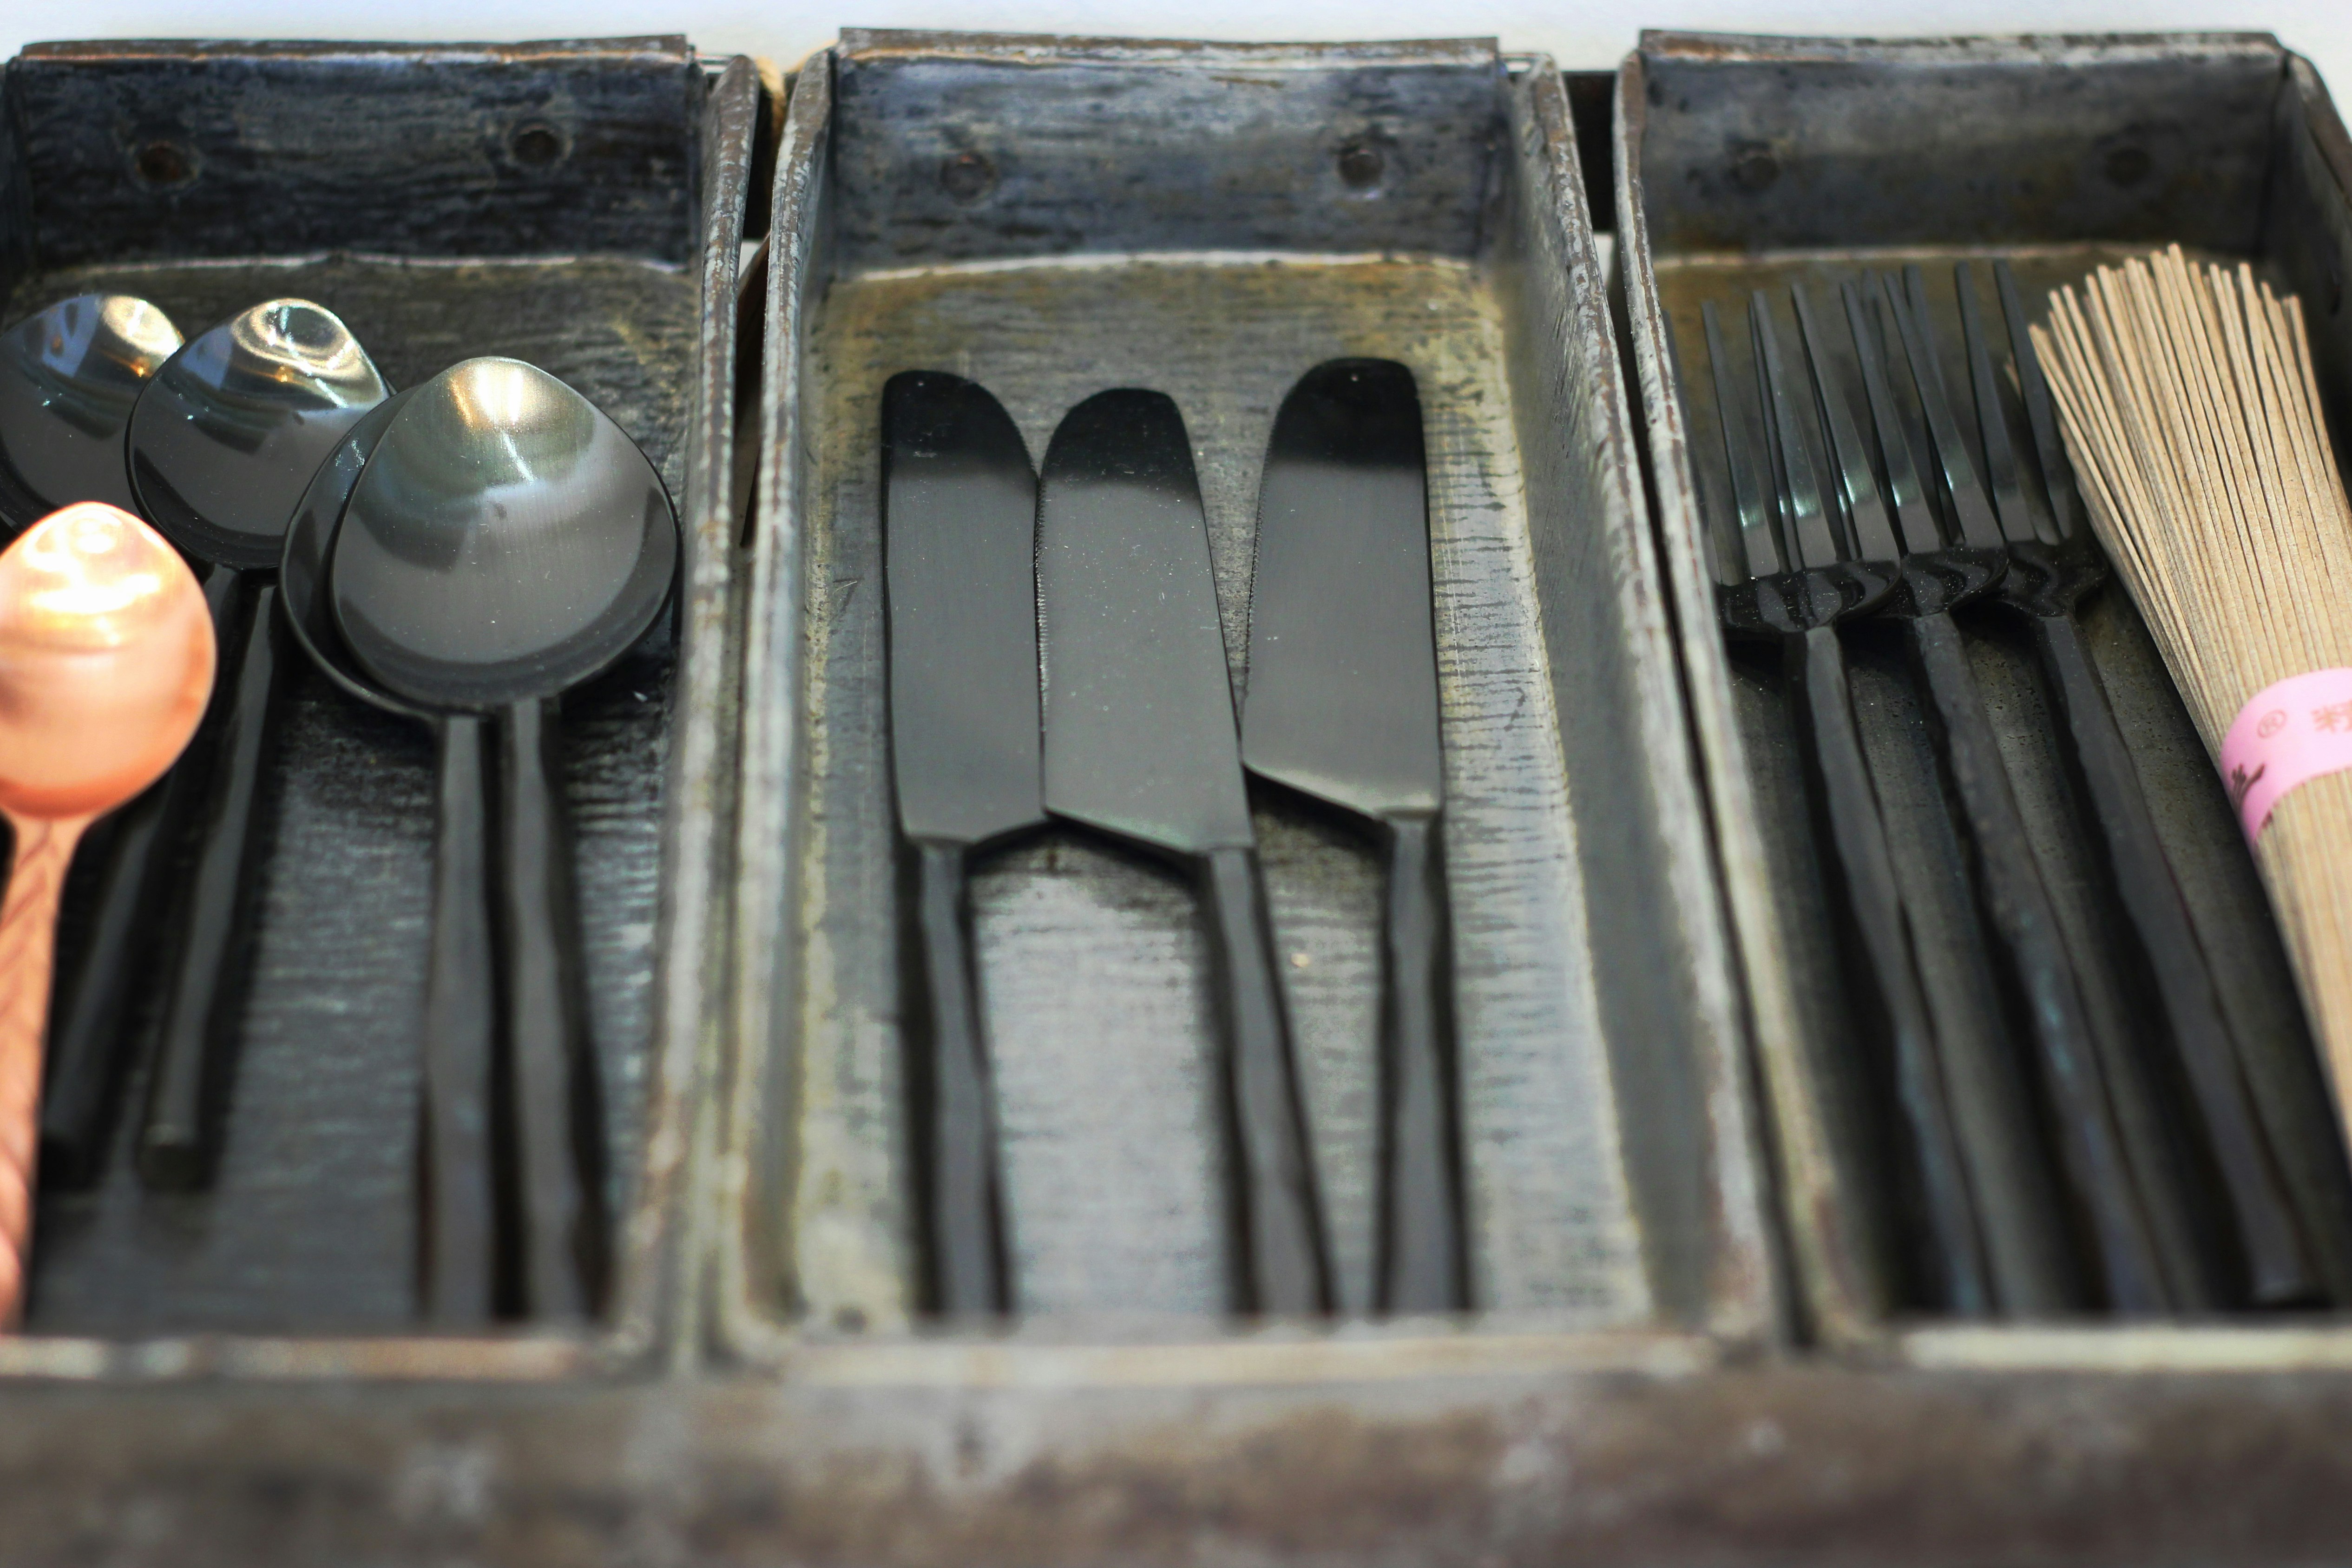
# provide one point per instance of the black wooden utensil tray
(1239, 215)
(1753, 164)
(762, 1394)
(577, 206)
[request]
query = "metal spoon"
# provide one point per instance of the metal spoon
(506, 542)
(106, 661)
(68, 376)
(455, 1261)
(222, 444)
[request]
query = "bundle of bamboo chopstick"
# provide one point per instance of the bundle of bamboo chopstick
(2193, 412)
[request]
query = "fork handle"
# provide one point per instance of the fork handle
(2090, 1139)
(2280, 1271)
(1882, 929)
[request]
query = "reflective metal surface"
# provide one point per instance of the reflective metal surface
(506, 541)
(1342, 697)
(68, 379)
(106, 661)
(231, 430)
(1139, 737)
(309, 545)
(959, 533)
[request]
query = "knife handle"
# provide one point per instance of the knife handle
(556, 1104)
(969, 1278)
(2090, 1137)
(1421, 1252)
(1281, 1269)
(458, 1233)
(180, 1137)
(2280, 1274)
(1883, 931)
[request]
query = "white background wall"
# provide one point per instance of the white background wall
(1579, 33)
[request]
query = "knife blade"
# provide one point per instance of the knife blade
(1341, 705)
(959, 537)
(1141, 744)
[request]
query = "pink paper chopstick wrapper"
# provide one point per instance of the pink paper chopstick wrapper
(2288, 733)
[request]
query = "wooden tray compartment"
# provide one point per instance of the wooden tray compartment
(579, 206)
(1750, 163)
(1055, 217)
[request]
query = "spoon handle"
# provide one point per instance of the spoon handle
(94, 1018)
(29, 935)
(557, 1105)
(88, 1028)
(180, 1138)
(460, 1001)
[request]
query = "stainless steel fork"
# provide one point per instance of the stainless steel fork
(1787, 576)
(2053, 565)
(1938, 575)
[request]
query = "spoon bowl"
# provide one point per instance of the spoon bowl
(308, 547)
(106, 659)
(228, 434)
(70, 376)
(507, 542)
(106, 665)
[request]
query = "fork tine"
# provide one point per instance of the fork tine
(1758, 537)
(1912, 515)
(2021, 515)
(1865, 510)
(1719, 515)
(2065, 502)
(1815, 541)
(1779, 503)
(1978, 526)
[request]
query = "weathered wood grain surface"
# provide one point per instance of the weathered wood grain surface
(1092, 964)
(220, 149)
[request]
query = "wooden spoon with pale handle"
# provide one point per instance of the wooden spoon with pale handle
(105, 664)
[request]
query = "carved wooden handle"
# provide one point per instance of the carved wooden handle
(28, 931)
